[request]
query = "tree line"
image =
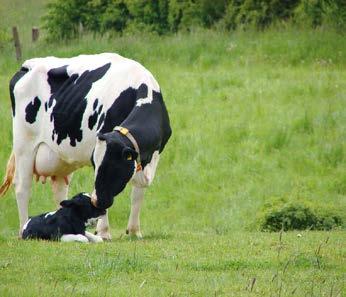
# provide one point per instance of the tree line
(66, 19)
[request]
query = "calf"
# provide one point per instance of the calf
(66, 224)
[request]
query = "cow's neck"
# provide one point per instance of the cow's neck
(145, 124)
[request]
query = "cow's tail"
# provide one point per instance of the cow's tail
(8, 179)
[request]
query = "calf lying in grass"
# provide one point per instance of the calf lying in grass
(66, 224)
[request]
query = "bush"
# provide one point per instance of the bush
(64, 18)
(257, 14)
(115, 16)
(298, 216)
(314, 13)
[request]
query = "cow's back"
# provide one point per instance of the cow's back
(64, 102)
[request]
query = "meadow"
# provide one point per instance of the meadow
(257, 117)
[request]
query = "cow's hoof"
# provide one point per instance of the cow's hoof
(134, 234)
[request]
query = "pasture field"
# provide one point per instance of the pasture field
(256, 117)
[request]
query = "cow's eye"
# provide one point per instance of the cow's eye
(129, 157)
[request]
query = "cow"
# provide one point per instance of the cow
(102, 110)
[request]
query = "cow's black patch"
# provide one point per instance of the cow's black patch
(100, 109)
(96, 102)
(57, 77)
(94, 117)
(19, 74)
(70, 104)
(92, 120)
(119, 110)
(46, 106)
(32, 109)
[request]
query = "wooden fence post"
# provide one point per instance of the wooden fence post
(17, 43)
(35, 34)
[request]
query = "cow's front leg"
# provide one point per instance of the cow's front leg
(22, 184)
(102, 228)
(60, 188)
(133, 226)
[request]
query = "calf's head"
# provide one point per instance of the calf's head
(82, 206)
(114, 162)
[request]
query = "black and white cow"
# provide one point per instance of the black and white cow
(103, 110)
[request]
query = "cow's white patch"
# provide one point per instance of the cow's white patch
(87, 194)
(147, 100)
(26, 224)
(49, 214)
(99, 154)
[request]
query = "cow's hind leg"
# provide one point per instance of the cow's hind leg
(60, 188)
(22, 184)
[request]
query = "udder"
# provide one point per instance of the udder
(48, 164)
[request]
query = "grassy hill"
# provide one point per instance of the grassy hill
(257, 117)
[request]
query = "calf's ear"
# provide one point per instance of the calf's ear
(129, 154)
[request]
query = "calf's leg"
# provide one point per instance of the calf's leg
(74, 237)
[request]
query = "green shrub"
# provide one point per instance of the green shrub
(151, 15)
(298, 216)
(115, 16)
(64, 18)
(318, 12)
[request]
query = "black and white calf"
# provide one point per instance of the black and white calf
(66, 224)
(103, 110)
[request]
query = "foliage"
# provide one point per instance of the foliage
(257, 14)
(300, 216)
(64, 18)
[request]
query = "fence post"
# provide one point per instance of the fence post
(17, 43)
(35, 34)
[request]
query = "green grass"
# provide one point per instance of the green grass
(178, 264)
(256, 117)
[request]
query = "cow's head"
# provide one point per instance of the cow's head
(114, 162)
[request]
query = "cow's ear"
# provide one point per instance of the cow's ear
(129, 154)
(66, 203)
(101, 136)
